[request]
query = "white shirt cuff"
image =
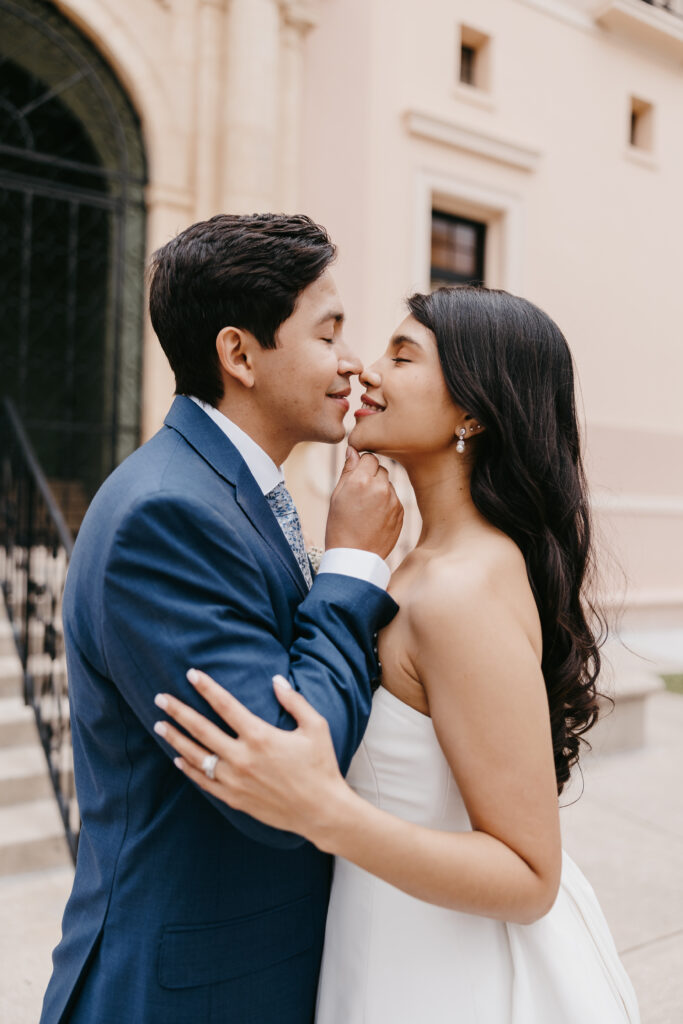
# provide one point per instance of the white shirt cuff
(362, 565)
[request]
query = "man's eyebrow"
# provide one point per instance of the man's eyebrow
(403, 339)
(333, 314)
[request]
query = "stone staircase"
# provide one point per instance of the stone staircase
(31, 829)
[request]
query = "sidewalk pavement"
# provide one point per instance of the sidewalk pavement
(625, 832)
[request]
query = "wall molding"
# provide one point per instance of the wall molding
(457, 136)
(646, 598)
(639, 504)
(569, 11)
(642, 23)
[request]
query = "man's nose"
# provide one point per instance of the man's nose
(349, 362)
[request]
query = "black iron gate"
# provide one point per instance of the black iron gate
(35, 547)
(72, 173)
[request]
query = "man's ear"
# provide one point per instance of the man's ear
(234, 347)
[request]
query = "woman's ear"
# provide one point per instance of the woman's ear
(233, 347)
(473, 426)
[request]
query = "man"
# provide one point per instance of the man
(184, 911)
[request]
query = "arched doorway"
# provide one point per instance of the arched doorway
(72, 222)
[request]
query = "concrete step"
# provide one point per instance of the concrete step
(24, 775)
(53, 707)
(31, 837)
(630, 681)
(17, 723)
(48, 568)
(11, 675)
(41, 665)
(7, 645)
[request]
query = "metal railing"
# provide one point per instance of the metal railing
(35, 547)
(672, 6)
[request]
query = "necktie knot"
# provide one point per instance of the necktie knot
(284, 510)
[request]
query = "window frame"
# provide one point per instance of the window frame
(453, 277)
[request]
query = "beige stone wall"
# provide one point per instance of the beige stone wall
(578, 221)
(217, 86)
(350, 110)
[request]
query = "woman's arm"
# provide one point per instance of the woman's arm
(489, 707)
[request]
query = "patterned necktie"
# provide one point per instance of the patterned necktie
(280, 501)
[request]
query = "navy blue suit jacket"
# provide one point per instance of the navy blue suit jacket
(184, 911)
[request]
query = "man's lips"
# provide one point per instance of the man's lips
(341, 398)
(368, 407)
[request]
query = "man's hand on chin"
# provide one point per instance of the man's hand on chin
(364, 511)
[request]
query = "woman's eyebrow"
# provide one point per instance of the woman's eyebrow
(403, 339)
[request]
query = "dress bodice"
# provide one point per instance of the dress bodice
(401, 767)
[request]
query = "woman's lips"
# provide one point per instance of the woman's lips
(368, 408)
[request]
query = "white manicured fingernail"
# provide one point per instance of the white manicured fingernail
(178, 762)
(161, 700)
(192, 676)
(283, 683)
(161, 728)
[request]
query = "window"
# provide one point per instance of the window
(457, 250)
(641, 125)
(467, 63)
(474, 59)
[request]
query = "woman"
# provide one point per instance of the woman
(452, 900)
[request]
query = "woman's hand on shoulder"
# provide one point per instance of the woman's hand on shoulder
(289, 780)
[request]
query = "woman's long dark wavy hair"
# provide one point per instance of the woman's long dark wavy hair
(507, 363)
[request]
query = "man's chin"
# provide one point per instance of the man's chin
(328, 435)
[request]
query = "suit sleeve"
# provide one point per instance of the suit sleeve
(183, 591)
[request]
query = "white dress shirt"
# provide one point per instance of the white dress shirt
(362, 565)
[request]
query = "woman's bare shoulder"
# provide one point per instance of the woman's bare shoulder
(485, 581)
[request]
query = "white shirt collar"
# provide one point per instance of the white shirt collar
(264, 471)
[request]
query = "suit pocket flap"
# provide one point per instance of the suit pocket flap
(193, 955)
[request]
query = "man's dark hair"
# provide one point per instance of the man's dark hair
(239, 271)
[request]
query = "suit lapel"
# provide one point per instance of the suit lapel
(202, 434)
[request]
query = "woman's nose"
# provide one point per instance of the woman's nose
(371, 377)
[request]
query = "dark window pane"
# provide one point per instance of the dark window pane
(468, 59)
(457, 249)
(71, 245)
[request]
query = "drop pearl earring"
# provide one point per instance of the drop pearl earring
(460, 446)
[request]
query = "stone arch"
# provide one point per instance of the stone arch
(110, 30)
(72, 199)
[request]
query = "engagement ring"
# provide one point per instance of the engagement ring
(209, 766)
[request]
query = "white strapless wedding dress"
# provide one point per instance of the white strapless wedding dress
(391, 959)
